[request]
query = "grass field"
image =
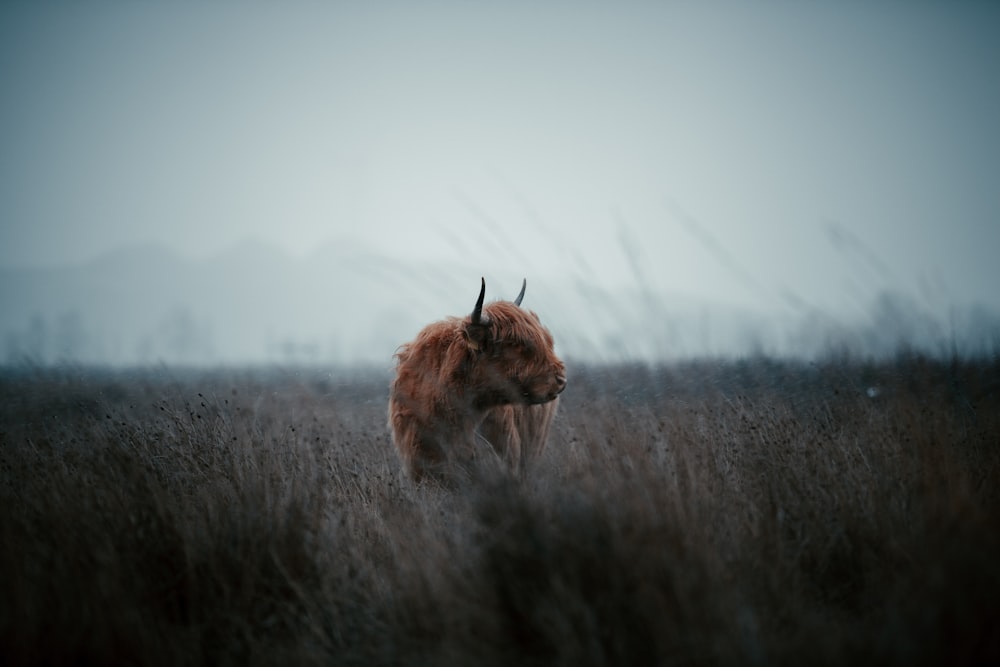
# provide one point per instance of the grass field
(744, 512)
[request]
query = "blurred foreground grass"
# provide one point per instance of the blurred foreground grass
(746, 512)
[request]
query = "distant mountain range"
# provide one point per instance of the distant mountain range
(251, 303)
(347, 304)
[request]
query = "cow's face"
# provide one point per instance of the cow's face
(513, 357)
(531, 363)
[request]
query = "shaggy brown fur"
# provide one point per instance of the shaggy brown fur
(493, 379)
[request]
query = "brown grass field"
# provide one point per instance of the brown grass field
(753, 512)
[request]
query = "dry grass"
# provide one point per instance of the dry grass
(753, 512)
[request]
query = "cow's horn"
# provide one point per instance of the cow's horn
(517, 301)
(477, 312)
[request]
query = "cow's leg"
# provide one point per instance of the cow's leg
(532, 423)
(499, 430)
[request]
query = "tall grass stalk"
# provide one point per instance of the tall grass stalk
(750, 512)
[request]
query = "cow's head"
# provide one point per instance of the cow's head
(511, 354)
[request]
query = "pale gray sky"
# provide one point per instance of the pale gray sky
(754, 153)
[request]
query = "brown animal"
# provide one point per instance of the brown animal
(491, 377)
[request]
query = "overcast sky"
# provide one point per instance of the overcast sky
(760, 153)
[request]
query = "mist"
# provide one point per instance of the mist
(310, 183)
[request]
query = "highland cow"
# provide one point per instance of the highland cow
(491, 378)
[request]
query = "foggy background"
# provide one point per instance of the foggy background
(308, 182)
